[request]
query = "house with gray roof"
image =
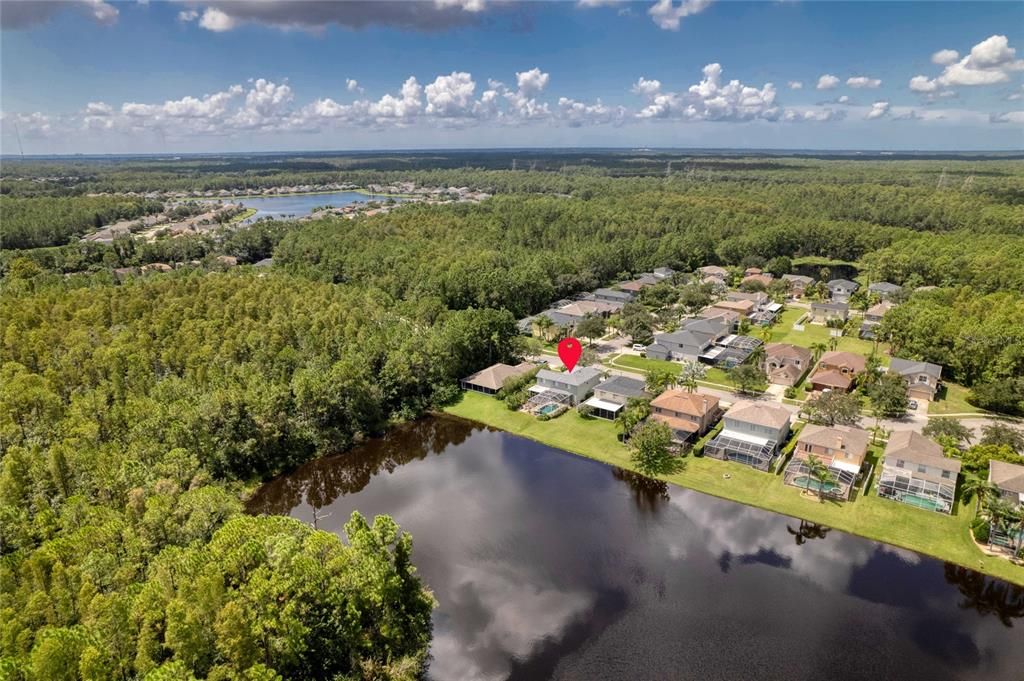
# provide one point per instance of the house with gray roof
(922, 378)
(884, 289)
(614, 295)
(663, 272)
(822, 311)
(841, 289)
(680, 345)
(576, 384)
(612, 396)
(798, 283)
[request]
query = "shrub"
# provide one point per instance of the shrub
(981, 529)
(516, 400)
(790, 393)
(585, 410)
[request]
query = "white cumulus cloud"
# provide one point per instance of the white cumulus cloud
(796, 85)
(878, 110)
(668, 15)
(862, 82)
(827, 82)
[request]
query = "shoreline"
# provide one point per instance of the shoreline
(828, 513)
(364, 192)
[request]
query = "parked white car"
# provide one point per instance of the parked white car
(639, 347)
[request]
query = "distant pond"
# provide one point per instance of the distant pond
(291, 206)
(835, 271)
(547, 565)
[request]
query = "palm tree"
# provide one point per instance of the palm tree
(818, 471)
(981, 487)
(544, 323)
(818, 349)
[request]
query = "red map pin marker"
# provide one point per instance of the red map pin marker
(569, 351)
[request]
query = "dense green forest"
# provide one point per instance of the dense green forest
(32, 222)
(137, 414)
(132, 413)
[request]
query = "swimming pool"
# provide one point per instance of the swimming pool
(548, 408)
(806, 482)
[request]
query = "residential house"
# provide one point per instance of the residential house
(922, 378)
(561, 324)
(490, 380)
(840, 290)
(752, 434)
(763, 279)
(694, 339)
(1008, 479)
(884, 289)
(582, 308)
(714, 271)
(157, 267)
(915, 472)
(786, 364)
(664, 272)
(574, 385)
(730, 318)
(641, 282)
(841, 448)
(823, 311)
(759, 298)
(740, 307)
(688, 415)
(873, 317)
(614, 296)
(837, 370)
(798, 284)
(611, 396)
(752, 271)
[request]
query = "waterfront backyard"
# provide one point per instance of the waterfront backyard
(943, 536)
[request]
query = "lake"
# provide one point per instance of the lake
(548, 565)
(290, 206)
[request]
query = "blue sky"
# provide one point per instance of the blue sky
(93, 76)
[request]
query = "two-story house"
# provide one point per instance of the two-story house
(686, 414)
(614, 296)
(691, 341)
(1008, 479)
(922, 378)
(873, 317)
(575, 384)
(841, 448)
(612, 396)
(915, 472)
(786, 364)
(798, 284)
(840, 290)
(713, 271)
(837, 370)
(752, 434)
(884, 289)
(823, 311)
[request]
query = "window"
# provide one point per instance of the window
(921, 469)
(946, 474)
(899, 463)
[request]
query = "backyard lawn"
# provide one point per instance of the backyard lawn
(714, 375)
(783, 332)
(952, 399)
(942, 536)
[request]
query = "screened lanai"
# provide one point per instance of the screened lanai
(755, 452)
(926, 494)
(798, 474)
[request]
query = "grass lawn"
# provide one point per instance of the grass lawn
(783, 332)
(244, 215)
(952, 399)
(935, 534)
(714, 375)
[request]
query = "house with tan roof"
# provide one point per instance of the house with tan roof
(841, 448)
(798, 284)
(687, 414)
(490, 380)
(752, 434)
(823, 311)
(837, 370)
(916, 472)
(714, 271)
(873, 317)
(785, 363)
(740, 307)
(763, 279)
(1008, 479)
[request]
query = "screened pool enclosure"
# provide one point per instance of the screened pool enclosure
(752, 452)
(918, 492)
(798, 474)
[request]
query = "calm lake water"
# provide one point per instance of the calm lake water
(546, 565)
(299, 205)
